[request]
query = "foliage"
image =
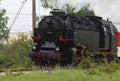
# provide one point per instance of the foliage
(68, 8)
(61, 75)
(109, 68)
(84, 10)
(49, 3)
(4, 31)
(16, 53)
(85, 64)
(96, 65)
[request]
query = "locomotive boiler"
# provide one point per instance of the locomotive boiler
(60, 37)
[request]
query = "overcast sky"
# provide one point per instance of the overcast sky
(104, 8)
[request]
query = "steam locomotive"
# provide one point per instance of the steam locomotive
(60, 37)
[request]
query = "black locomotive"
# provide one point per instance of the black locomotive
(60, 37)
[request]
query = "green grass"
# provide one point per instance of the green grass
(63, 75)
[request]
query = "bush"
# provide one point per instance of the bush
(16, 52)
(85, 64)
(109, 68)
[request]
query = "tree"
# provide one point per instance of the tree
(68, 8)
(4, 31)
(85, 10)
(49, 3)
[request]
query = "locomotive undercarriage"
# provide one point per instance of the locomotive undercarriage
(103, 55)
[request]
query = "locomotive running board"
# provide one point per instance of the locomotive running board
(118, 52)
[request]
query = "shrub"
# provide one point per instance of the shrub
(85, 64)
(16, 52)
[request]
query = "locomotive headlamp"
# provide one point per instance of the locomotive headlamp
(57, 48)
(34, 47)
